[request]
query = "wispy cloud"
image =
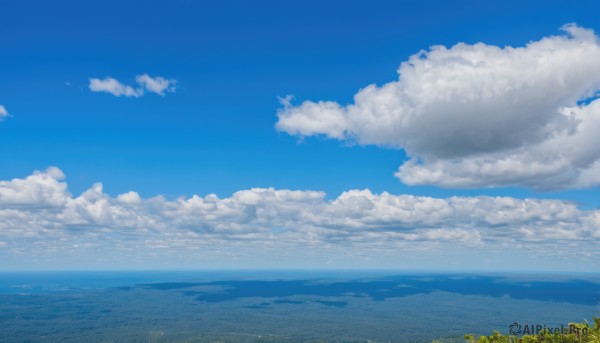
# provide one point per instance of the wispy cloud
(114, 87)
(479, 115)
(3, 112)
(38, 214)
(158, 85)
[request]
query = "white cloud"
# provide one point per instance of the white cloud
(479, 115)
(3, 112)
(559, 161)
(38, 215)
(114, 87)
(40, 190)
(156, 85)
(130, 198)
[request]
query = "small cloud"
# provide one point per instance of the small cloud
(3, 112)
(131, 198)
(158, 85)
(286, 101)
(114, 87)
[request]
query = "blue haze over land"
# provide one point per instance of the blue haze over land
(278, 306)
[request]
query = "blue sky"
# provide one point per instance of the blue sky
(216, 132)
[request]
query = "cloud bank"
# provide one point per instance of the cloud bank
(479, 115)
(158, 85)
(38, 216)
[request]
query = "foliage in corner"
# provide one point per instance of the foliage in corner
(580, 333)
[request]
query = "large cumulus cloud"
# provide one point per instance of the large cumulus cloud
(479, 115)
(39, 216)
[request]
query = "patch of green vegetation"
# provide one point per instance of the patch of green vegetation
(576, 333)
